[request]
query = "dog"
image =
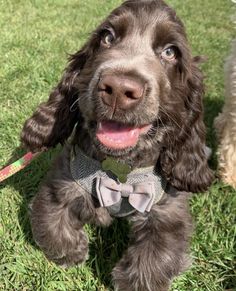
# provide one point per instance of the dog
(131, 97)
(225, 124)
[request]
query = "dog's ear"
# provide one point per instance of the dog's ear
(53, 121)
(185, 159)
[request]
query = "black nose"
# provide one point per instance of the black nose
(120, 91)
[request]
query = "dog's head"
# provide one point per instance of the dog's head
(132, 88)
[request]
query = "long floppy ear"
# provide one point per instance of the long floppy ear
(53, 120)
(184, 160)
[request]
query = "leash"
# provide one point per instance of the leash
(17, 166)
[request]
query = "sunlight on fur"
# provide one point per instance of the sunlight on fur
(225, 124)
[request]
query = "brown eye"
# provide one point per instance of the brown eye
(107, 38)
(169, 53)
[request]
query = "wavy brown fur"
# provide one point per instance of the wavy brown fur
(172, 103)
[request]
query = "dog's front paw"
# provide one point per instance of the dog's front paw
(67, 252)
(72, 259)
(135, 273)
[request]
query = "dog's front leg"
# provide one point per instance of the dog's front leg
(58, 226)
(157, 250)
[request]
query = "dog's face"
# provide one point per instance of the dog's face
(135, 92)
(139, 54)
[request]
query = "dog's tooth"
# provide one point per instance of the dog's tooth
(99, 125)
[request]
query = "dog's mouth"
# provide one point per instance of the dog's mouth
(118, 136)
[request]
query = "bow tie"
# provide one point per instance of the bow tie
(140, 195)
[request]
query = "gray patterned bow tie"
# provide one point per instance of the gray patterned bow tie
(140, 196)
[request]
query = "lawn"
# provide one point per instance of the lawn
(35, 38)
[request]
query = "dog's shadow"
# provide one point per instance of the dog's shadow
(107, 248)
(106, 244)
(26, 182)
(212, 109)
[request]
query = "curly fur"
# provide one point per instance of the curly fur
(225, 124)
(175, 143)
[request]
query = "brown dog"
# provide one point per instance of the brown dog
(133, 93)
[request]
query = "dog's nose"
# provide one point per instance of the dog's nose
(120, 91)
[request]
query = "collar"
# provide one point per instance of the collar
(144, 186)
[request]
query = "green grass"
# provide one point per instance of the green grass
(35, 37)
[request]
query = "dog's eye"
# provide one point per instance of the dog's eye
(169, 53)
(107, 37)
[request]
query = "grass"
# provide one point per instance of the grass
(35, 37)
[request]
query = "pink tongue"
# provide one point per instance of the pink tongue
(118, 136)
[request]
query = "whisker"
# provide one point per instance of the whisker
(173, 120)
(72, 109)
(164, 126)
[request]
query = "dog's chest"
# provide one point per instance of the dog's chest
(143, 188)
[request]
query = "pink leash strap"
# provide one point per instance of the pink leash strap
(17, 166)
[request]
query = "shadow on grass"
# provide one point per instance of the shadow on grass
(26, 183)
(106, 244)
(106, 250)
(212, 109)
